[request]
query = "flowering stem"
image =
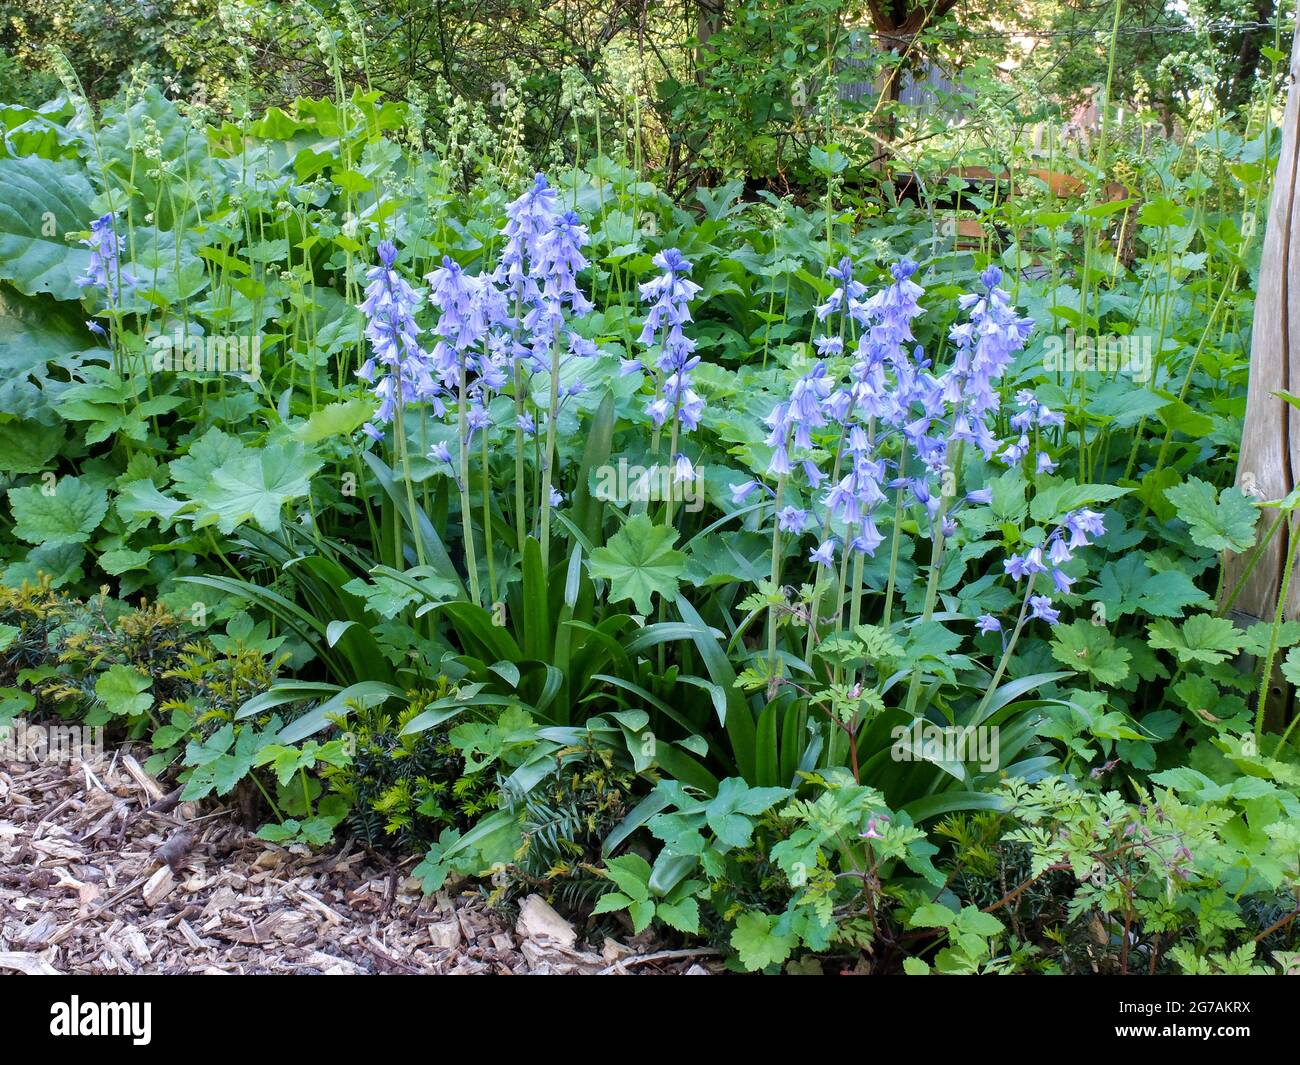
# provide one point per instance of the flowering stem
(487, 522)
(855, 608)
(466, 515)
(668, 520)
(1261, 699)
(547, 478)
(895, 535)
(776, 578)
(521, 408)
(405, 460)
(936, 563)
(521, 504)
(672, 452)
(843, 580)
(1006, 652)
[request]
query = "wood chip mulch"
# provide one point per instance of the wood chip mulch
(101, 871)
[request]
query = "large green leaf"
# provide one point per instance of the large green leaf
(43, 200)
(213, 450)
(111, 404)
(130, 128)
(1201, 638)
(639, 561)
(1223, 524)
(124, 691)
(255, 485)
(1091, 649)
(35, 331)
(66, 513)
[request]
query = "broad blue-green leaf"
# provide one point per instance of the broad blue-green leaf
(1057, 500)
(43, 200)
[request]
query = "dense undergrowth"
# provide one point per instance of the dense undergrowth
(767, 570)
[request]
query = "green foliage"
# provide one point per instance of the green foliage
(1225, 523)
(639, 561)
(649, 712)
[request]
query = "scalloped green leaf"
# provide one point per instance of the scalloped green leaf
(67, 513)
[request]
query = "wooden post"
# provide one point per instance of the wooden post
(1270, 444)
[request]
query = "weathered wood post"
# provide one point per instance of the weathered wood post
(1270, 442)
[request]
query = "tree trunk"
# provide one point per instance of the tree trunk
(1252, 41)
(1270, 445)
(708, 20)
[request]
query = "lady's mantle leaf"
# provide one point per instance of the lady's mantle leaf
(255, 485)
(124, 691)
(638, 561)
(67, 514)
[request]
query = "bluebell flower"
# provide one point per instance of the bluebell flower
(824, 555)
(1016, 567)
(1041, 608)
(893, 309)
(856, 495)
(883, 347)
(1014, 453)
(846, 298)
(104, 268)
(683, 470)
(740, 492)
(1061, 582)
(868, 539)
(398, 366)
(529, 218)
(988, 623)
(1058, 551)
(559, 262)
(669, 296)
(792, 423)
(792, 519)
(1082, 524)
(463, 319)
(779, 464)
(984, 347)
(1033, 413)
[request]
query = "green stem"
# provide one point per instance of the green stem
(466, 514)
(1262, 697)
(549, 462)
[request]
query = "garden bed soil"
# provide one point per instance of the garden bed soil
(101, 871)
